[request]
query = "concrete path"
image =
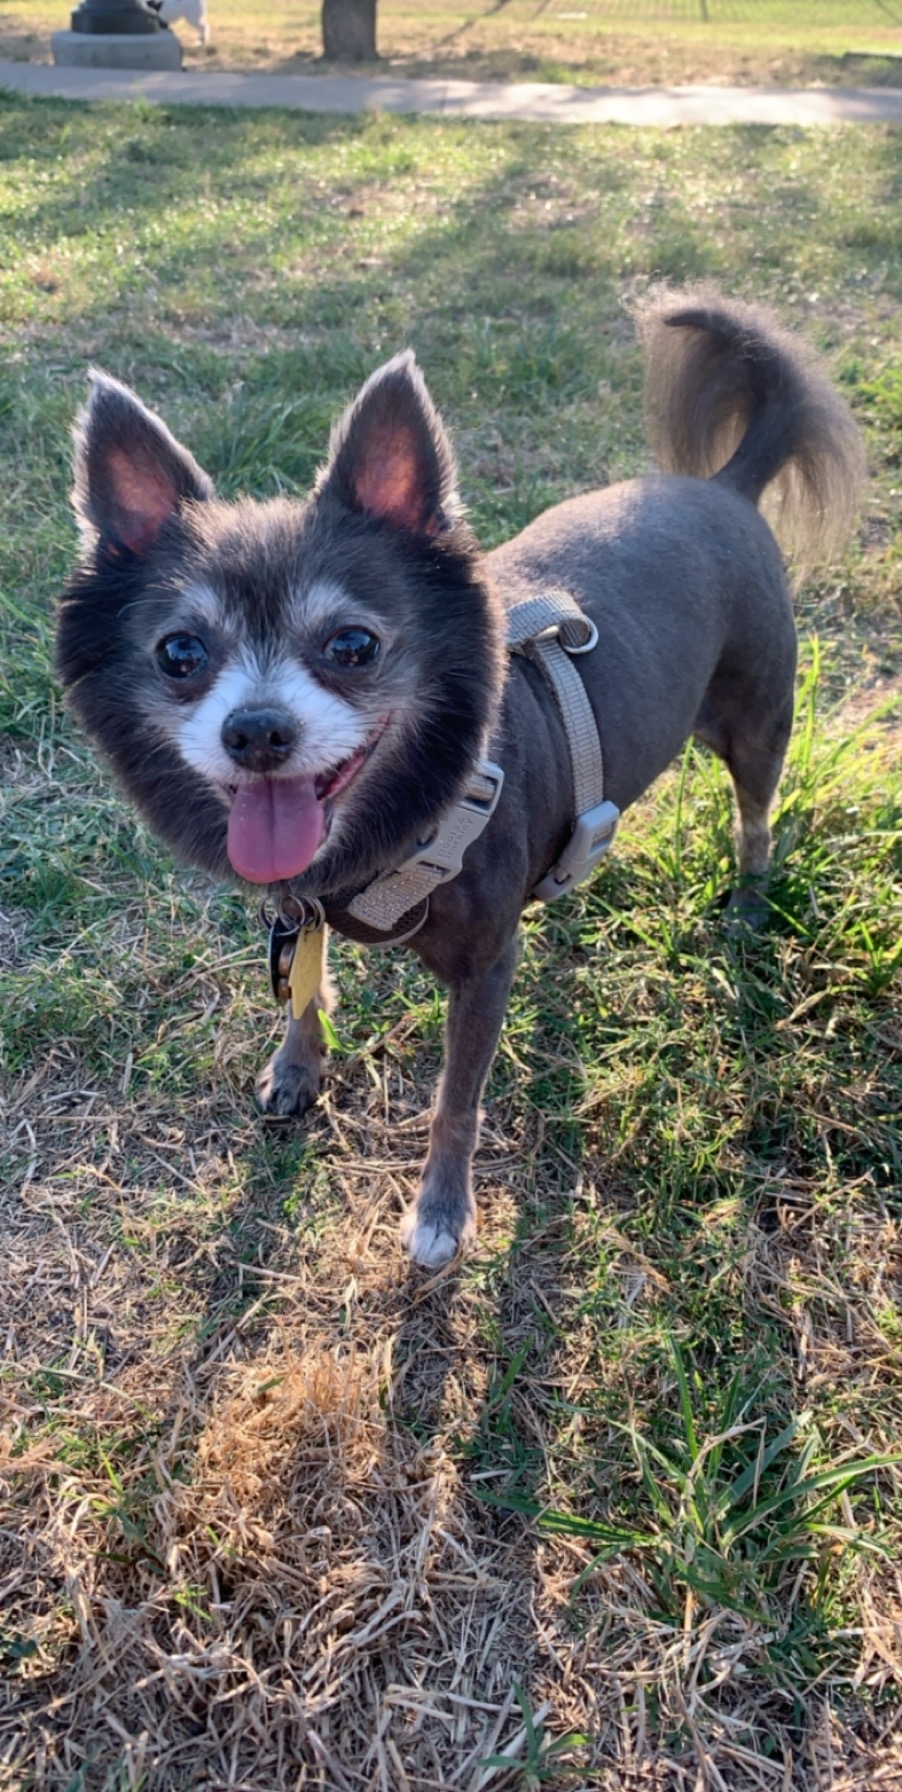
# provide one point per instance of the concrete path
(549, 104)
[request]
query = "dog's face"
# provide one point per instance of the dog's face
(288, 690)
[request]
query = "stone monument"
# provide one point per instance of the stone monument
(116, 34)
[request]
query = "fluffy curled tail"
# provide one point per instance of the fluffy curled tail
(731, 395)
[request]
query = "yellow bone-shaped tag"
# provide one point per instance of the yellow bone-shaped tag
(306, 974)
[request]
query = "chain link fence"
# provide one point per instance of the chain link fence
(865, 15)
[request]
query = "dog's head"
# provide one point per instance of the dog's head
(290, 690)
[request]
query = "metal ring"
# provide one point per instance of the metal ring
(584, 646)
(293, 912)
(301, 911)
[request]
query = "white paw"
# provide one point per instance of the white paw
(430, 1243)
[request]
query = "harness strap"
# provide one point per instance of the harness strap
(393, 894)
(549, 630)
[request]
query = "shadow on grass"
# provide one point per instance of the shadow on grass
(293, 1482)
(267, 1515)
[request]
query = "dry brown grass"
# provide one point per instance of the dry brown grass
(242, 1553)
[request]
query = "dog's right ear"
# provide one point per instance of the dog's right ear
(131, 474)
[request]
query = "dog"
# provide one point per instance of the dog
(194, 12)
(295, 694)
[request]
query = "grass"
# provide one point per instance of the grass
(616, 1505)
(793, 43)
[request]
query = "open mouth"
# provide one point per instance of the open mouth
(277, 825)
(328, 785)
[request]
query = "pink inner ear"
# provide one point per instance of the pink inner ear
(389, 483)
(144, 499)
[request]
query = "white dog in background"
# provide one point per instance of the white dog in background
(194, 12)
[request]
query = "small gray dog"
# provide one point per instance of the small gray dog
(299, 695)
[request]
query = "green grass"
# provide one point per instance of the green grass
(656, 1414)
(726, 1505)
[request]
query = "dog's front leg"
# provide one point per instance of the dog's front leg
(290, 1082)
(443, 1216)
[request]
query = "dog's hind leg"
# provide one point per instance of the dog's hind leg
(754, 755)
(291, 1081)
(753, 835)
(443, 1216)
(748, 900)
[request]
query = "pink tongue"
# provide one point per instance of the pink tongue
(275, 827)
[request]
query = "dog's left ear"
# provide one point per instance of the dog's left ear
(390, 456)
(131, 475)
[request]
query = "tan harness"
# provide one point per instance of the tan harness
(549, 630)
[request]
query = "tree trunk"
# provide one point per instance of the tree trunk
(349, 30)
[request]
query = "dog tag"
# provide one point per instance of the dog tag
(306, 974)
(282, 935)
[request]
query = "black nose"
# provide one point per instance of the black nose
(259, 739)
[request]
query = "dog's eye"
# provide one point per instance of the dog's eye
(182, 656)
(352, 647)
